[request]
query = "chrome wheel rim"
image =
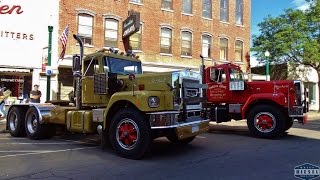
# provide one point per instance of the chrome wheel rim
(127, 134)
(32, 123)
(264, 122)
(13, 121)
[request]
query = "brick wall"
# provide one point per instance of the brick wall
(152, 17)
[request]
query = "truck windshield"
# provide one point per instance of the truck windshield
(122, 66)
(236, 75)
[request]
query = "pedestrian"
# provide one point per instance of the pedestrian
(35, 94)
(4, 94)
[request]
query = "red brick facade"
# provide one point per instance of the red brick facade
(152, 17)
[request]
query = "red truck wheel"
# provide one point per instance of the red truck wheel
(266, 121)
(129, 134)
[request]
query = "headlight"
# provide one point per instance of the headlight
(153, 101)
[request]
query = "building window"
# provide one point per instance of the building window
(207, 8)
(137, 1)
(239, 12)
(206, 46)
(166, 4)
(239, 51)
(135, 40)
(224, 8)
(312, 92)
(166, 41)
(186, 43)
(187, 6)
(223, 49)
(85, 23)
(111, 33)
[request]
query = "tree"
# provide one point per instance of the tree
(294, 36)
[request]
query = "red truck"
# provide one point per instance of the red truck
(270, 107)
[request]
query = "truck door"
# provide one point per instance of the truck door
(91, 67)
(218, 86)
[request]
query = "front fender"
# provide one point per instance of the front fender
(276, 98)
(140, 100)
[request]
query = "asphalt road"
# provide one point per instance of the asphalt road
(226, 152)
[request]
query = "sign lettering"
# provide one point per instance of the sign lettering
(13, 9)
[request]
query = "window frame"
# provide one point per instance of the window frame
(170, 39)
(210, 45)
(241, 50)
(83, 38)
(190, 43)
(239, 12)
(204, 5)
(139, 39)
(162, 5)
(136, 1)
(105, 30)
(191, 7)
(226, 48)
(224, 10)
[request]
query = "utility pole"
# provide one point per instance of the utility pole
(50, 29)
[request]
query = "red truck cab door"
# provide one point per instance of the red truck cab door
(218, 85)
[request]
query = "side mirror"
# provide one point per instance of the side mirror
(76, 64)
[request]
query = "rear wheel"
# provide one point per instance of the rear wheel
(174, 139)
(34, 129)
(266, 121)
(130, 135)
(16, 123)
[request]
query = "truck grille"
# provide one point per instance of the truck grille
(190, 92)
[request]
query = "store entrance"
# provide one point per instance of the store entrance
(19, 83)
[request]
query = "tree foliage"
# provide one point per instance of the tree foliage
(293, 36)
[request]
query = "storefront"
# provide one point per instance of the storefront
(23, 37)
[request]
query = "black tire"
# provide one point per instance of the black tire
(289, 123)
(15, 122)
(34, 129)
(266, 121)
(136, 134)
(174, 139)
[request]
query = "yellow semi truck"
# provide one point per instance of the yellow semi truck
(127, 108)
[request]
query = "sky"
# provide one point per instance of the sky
(262, 8)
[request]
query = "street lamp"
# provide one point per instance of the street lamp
(48, 70)
(267, 54)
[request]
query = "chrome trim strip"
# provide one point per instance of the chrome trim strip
(181, 125)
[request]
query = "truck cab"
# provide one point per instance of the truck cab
(129, 109)
(270, 107)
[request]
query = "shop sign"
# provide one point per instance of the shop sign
(11, 80)
(131, 25)
(10, 9)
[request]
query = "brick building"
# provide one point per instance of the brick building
(172, 35)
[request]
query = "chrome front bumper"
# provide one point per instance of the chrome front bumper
(171, 119)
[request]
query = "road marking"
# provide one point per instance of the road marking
(55, 143)
(46, 152)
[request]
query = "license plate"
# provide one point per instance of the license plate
(195, 128)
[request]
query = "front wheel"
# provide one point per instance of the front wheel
(266, 121)
(130, 135)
